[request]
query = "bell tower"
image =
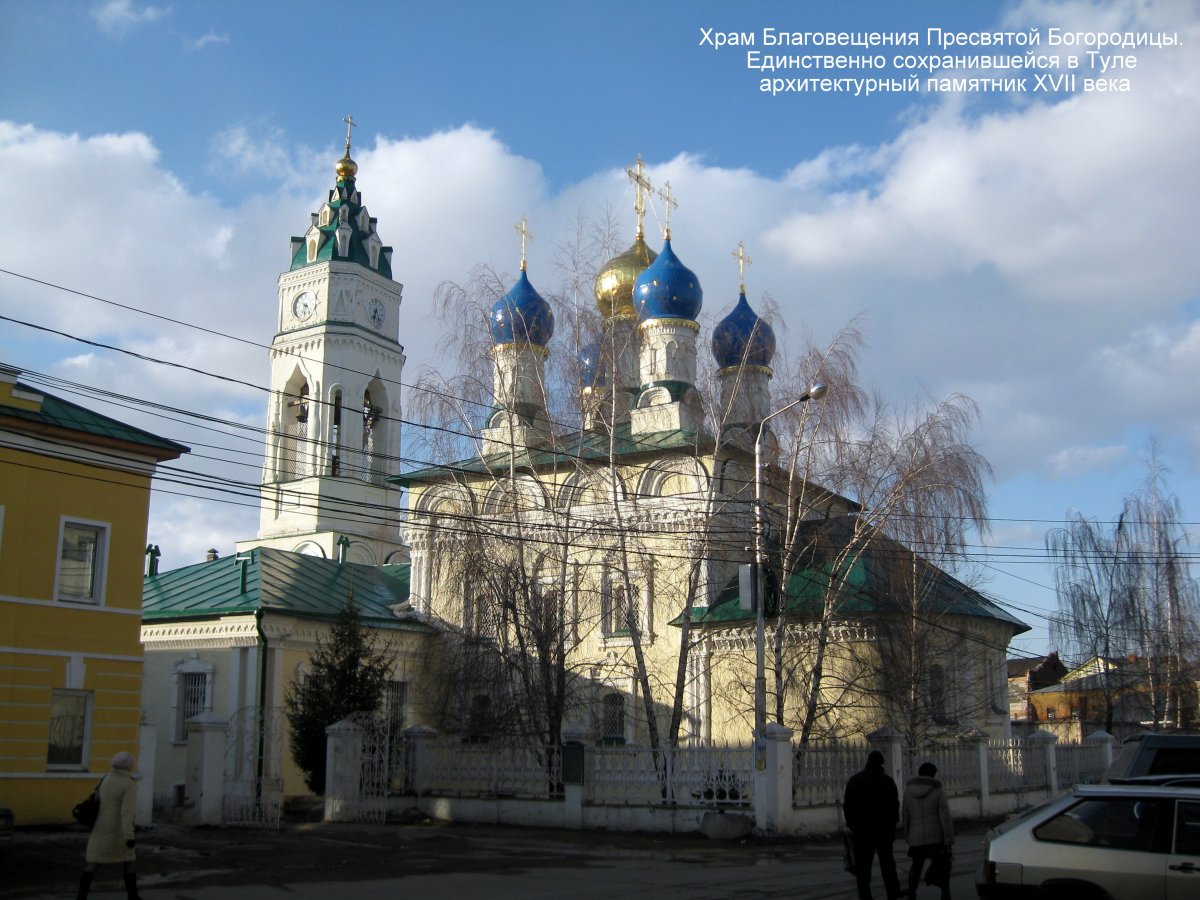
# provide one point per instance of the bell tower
(333, 422)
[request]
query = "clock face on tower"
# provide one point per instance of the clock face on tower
(304, 305)
(375, 311)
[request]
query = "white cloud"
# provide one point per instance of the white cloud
(1072, 461)
(116, 17)
(211, 38)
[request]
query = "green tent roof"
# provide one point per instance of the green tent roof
(279, 581)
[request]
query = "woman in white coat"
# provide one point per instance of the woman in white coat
(111, 840)
(927, 826)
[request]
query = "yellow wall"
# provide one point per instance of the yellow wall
(47, 645)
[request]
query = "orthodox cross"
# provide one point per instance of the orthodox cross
(743, 260)
(669, 201)
(349, 120)
(522, 228)
(642, 187)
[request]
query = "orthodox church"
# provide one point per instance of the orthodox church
(557, 580)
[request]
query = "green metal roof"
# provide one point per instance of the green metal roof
(865, 591)
(570, 448)
(344, 194)
(278, 581)
(58, 413)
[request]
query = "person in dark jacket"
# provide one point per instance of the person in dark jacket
(927, 826)
(872, 809)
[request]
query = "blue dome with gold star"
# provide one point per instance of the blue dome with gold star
(667, 289)
(742, 338)
(522, 316)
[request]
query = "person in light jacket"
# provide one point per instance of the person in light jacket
(111, 840)
(926, 823)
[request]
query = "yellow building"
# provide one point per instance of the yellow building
(74, 502)
(612, 555)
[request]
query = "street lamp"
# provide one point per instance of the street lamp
(816, 392)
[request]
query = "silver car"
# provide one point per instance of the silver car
(1099, 842)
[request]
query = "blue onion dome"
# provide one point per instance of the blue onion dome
(742, 338)
(590, 374)
(521, 316)
(614, 282)
(667, 289)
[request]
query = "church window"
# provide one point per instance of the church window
(67, 746)
(481, 720)
(326, 214)
(395, 702)
(621, 607)
(612, 718)
(193, 694)
(937, 692)
(312, 248)
(83, 551)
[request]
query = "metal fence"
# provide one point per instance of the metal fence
(682, 776)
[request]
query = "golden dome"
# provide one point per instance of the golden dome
(614, 282)
(346, 167)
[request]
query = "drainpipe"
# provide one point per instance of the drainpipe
(262, 698)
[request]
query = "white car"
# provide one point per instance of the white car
(1099, 842)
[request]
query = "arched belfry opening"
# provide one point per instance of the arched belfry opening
(295, 411)
(375, 426)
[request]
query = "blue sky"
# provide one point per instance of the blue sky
(1033, 251)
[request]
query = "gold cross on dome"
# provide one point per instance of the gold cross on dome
(642, 187)
(522, 228)
(669, 202)
(349, 120)
(743, 260)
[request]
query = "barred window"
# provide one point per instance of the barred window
(612, 718)
(394, 702)
(193, 693)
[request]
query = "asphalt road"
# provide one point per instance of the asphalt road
(436, 861)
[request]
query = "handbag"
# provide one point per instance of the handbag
(939, 867)
(848, 861)
(88, 810)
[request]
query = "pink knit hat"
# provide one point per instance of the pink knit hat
(123, 760)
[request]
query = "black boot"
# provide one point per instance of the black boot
(131, 886)
(85, 885)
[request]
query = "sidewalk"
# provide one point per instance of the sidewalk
(366, 862)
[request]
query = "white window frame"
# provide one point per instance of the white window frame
(192, 666)
(86, 746)
(99, 578)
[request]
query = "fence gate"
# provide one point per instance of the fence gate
(254, 768)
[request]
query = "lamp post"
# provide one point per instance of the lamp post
(816, 392)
